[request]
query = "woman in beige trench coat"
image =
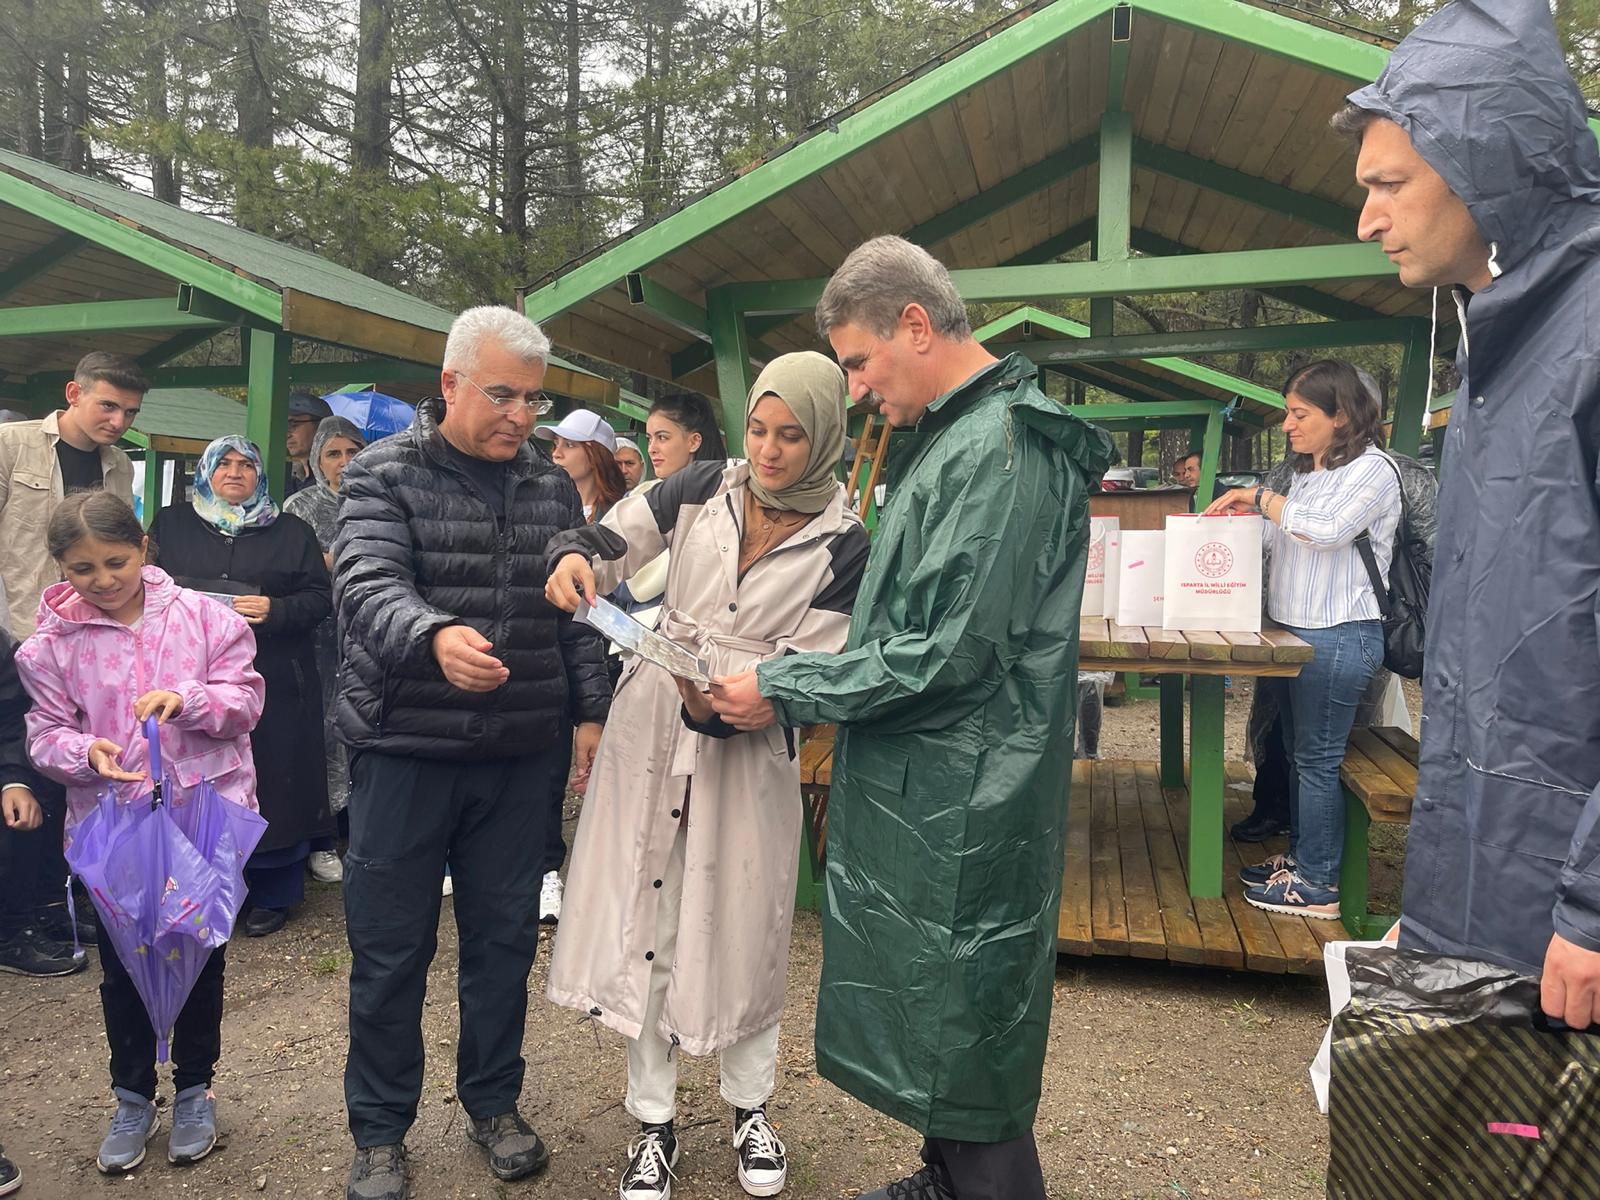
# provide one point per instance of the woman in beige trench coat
(681, 890)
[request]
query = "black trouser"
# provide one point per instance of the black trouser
(1270, 795)
(196, 1035)
(990, 1170)
(555, 845)
(407, 817)
(33, 868)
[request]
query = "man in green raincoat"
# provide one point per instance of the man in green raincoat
(955, 697)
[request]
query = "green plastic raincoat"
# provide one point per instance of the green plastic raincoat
(955, 695)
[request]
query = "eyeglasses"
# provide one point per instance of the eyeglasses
(538, 404)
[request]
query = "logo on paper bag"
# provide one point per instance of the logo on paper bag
(1213, 560)
(1097, 556)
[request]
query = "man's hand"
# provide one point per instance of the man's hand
(462, 654)
(253, 608)
(19, 809)
(585, 745)
(571, 581)
(165, 705)
(740, 704)
(697, 702)
(1569, 987)
(105, 756)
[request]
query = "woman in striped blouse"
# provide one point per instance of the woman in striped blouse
(1319, 589)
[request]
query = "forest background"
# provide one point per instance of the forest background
(460, 148)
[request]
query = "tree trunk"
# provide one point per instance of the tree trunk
(514, 200)
(164, 180)
(25, 73)
(75, 142)
(53, 91)
(253, 95)
(572, 151)
(372, 127)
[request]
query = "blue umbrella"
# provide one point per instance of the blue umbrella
(374, 413)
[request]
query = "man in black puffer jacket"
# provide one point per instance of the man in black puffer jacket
(456, 682)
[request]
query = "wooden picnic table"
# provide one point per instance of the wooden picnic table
(1205, 658)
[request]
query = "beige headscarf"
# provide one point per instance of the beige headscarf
(813, 387)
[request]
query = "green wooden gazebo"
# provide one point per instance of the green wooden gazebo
(86, 265)
(1184, 142)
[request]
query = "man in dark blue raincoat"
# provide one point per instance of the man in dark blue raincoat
(1483, 175)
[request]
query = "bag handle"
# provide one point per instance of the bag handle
(1363, 542)
(152, 735)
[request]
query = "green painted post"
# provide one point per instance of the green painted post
(154, 464)
(1210, 452)
(730, 344)
(266, 420)
(1171, 730)
(1411, 393)
(1114, 216)
(1205, 785)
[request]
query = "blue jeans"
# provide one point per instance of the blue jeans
(1316, 727)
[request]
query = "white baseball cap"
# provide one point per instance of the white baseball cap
(580, 425)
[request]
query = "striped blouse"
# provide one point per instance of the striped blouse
(1318, 579)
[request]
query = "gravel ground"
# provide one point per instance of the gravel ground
(1160, 1081)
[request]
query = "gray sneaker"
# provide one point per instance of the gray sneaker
(378, 1173)
(134, 1123)
(194, 1125)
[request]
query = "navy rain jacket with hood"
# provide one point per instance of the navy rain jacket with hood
(1504, 845)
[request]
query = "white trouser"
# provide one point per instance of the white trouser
(749, 1068)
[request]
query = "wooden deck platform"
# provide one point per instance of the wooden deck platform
(1125, 890)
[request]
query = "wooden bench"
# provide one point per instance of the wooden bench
(1379, 779)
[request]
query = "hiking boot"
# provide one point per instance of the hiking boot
(132, 1125)
(933, 1182)
(515, 1151)
(57, 924)
(763, 1162)
(1258, 875)
(325, 866)
(30, 952)
(550, 899)
(264, 921)
(378, 1173)
(651, 1157)
(1259, 828)
(10, 1177)
(194, 1125)
(1288, 892)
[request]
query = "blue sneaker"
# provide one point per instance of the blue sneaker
(1258, 875)
(134, 1123)
(1288, 892)
(194, 1125)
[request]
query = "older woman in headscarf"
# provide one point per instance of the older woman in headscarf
(676, 931)
(337, 441)
(234, 543)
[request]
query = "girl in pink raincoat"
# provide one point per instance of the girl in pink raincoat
(116, 643)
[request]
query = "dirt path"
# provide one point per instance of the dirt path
(1160, 1082)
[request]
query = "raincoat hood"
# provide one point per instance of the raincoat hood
(61, 607)
(1483, 92)
(327, 430)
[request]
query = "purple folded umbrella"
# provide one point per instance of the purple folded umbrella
(167, 880)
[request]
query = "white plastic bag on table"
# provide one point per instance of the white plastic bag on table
(1338, 996)
(1213, 574)
(1141, 577)
(1104, 540)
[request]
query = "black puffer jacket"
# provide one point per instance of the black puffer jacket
(417, 550)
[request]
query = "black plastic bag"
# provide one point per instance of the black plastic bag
(1449, 1082)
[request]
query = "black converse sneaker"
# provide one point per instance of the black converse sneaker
(651, 1157)
(763, 1162)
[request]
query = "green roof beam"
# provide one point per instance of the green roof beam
(1053, 248)
(1138, 276)
(1143, 410)
(144, 249)
(830, 144)
(174, 346)
(1411, 392)
(1282, 36)
(1256, 338)
(1121, 43)
(266, 417)
(732, 345)
(685, 314)
(100, 316)
(691, 358)
(29, 267)
(1114, 215)
(1026, 182)
(1307, 209)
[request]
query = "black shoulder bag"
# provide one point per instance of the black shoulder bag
(1404, 603)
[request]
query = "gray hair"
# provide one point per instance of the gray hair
(496, 323)
(880, 277)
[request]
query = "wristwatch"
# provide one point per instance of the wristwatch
(1260, 491)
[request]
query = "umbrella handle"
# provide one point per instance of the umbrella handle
(152, 734)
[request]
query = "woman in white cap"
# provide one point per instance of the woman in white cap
(677, 934)
(585, 448)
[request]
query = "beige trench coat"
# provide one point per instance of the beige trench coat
(742, 848)
(30, 490)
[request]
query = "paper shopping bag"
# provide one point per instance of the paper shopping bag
(1141, 577)
(1213, 574)
(1103, 533)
